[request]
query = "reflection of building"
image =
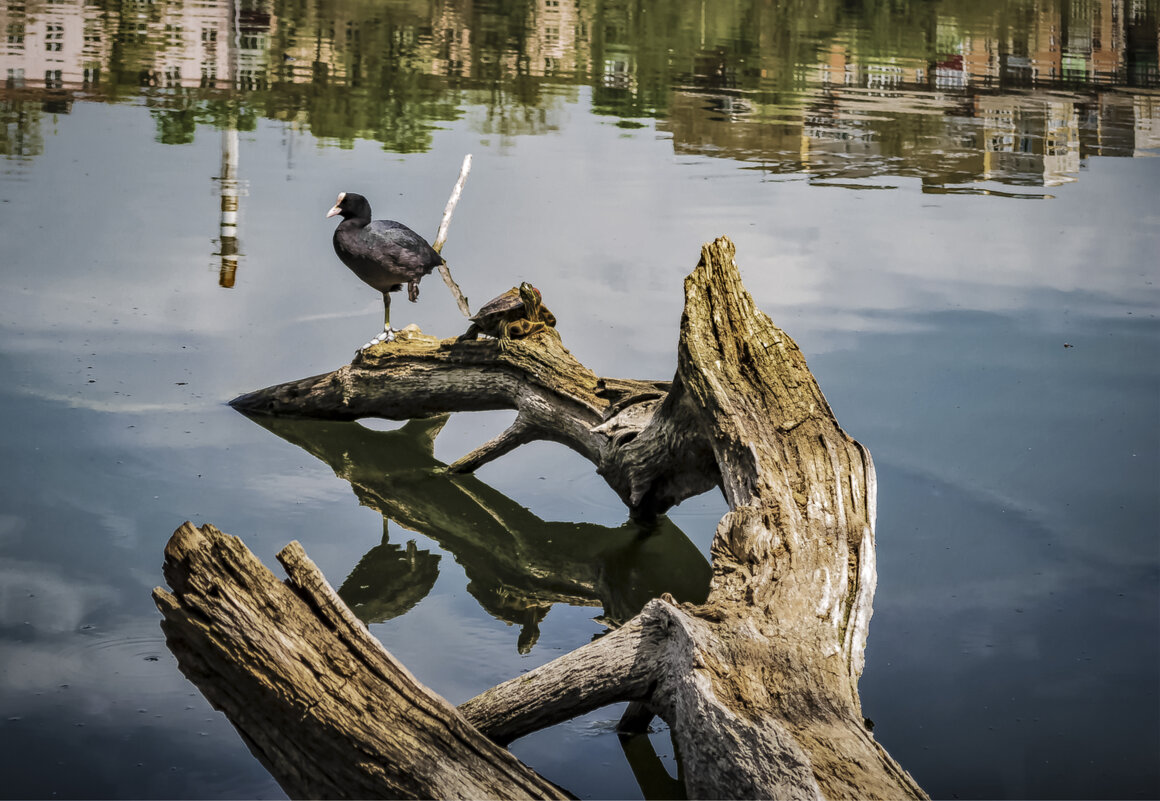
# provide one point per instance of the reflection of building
(1107, 44)
(839, 68)
(873, 114)
(69, 44)
(1029, 140)
(66, 48)
(197, 41)
(1146, 110)
(558, 38)
(723, 125)
(834, 68)
(853, 106)
(451, 46)
(853, 132)
(1083, 42)
(1046, 49)
(554, 33)
(981, 61)
(56, 45)
(237, 44)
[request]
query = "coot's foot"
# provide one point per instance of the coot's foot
(388, 335)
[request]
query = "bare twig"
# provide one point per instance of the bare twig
(441, 236)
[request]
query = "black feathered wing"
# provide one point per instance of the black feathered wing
(385, 254)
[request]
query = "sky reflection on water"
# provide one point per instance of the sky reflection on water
(1013, 651)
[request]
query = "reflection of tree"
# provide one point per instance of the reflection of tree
(20, 136)
(376, 83)
(394, 73)
(176, 119)
(517, 565)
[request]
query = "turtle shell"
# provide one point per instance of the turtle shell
(508, 316)
(508, 306)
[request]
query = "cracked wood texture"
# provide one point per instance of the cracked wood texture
(318, 700)
(759, 684)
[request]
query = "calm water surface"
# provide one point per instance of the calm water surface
(952, 206)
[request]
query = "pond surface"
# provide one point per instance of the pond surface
(951, 206)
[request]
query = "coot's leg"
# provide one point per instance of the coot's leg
(388, 334)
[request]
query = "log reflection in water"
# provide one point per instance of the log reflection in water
(517, 564)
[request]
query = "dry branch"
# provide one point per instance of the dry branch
(441, 236)
(759, 683)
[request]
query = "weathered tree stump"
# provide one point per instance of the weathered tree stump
(758, 684)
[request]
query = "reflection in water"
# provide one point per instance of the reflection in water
(517, 565)
(649, 771)
(389, 580)
(229, 188)
(959, 96)
(945, 91)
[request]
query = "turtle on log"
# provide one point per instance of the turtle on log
(516, 314)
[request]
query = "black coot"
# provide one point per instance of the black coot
(384, 253)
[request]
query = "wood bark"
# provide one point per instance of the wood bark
(759, 683)
(320, 702)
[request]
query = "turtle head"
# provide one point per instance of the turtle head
(530, 296)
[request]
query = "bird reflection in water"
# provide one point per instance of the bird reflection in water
(389, 580)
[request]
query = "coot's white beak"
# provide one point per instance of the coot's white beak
(335, 208)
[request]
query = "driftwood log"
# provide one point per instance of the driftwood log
(758, 683)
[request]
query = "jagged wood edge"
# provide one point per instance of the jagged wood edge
(320, 702)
